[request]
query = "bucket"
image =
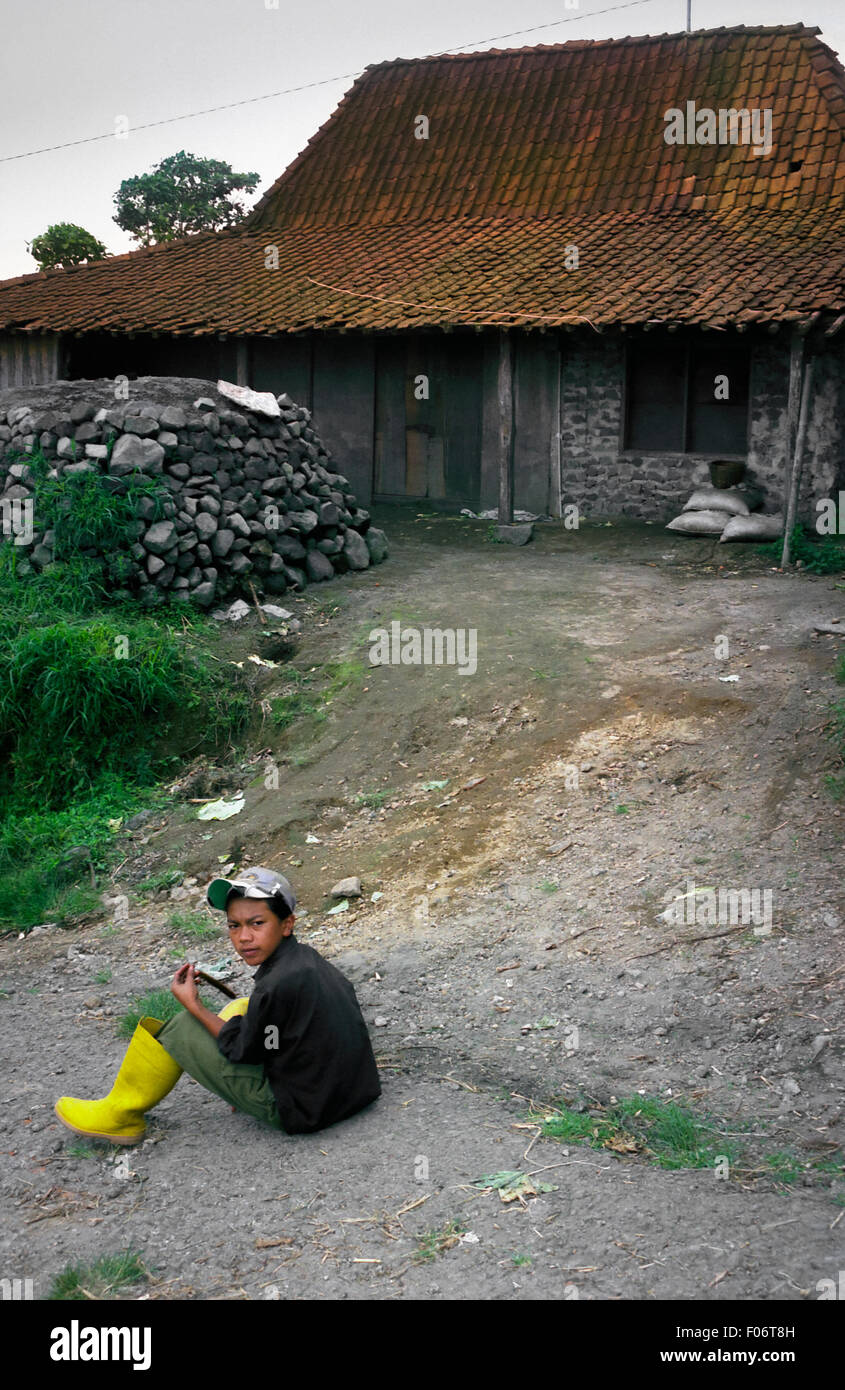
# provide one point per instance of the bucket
(724, 474)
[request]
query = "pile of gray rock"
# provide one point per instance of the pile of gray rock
(250, 494)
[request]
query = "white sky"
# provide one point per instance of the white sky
(69, 68)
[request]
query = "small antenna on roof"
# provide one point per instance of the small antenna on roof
(689, 15)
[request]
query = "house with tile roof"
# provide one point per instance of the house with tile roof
(573, 273)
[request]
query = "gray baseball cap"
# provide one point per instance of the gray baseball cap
(251, 883)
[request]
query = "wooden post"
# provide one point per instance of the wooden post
(798, 458)
(796, 368)
(504, 389)
(556, 480)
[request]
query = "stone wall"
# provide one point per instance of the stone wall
(602, 478)
(251, 497)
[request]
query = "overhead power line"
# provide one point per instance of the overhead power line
(307, 86)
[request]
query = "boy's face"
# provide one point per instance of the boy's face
(254, 929)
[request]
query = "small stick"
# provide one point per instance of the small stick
(218, 984)
(257, 604)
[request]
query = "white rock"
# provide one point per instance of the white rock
(347, 888)
(238, 610)
(263, 402)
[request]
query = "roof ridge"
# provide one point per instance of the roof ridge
(574, 44)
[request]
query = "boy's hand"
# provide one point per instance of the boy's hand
(184, 986)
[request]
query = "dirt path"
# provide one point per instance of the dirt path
(516, 954)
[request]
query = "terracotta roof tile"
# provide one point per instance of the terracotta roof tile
(530, 150)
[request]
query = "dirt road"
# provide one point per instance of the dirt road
(516, 967)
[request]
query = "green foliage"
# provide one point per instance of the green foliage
(197, 925)
(86, 513)
(68, 678)
(159, 1003)
(184, 193)
(373, 800)
(106, 681)
(286, 709)
(512, 1184)
(100, 1280)
(37, 877)
(65, 244)
(167, 878)
(434, 1243)
(818, 554)
(310, 698)
(79, 1149)
(89, 686)
(671, 1135)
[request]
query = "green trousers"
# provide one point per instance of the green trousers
(241, 1084)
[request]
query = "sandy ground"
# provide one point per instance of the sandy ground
(595, 764)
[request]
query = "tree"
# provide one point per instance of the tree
(65, 244)
(184, 193)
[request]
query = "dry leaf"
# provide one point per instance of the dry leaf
(620, 1145)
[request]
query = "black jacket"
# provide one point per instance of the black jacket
(304, 1024)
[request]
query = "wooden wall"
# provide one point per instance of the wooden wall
(388, 442)
(536, 407)
(343, 404)
(28, 359)
(428, 417)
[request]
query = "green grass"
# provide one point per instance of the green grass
(166, 878)
(79, 1149)
(195, 925)
(785, 1167)
(287, 709)
(373, 800)
(38, 872)
(669, 1134)
(434, 1243)
(101, 1280)
(91, 691)
(315, 691)
(549, 887)
(159, 1003)
(818, 554)
(111, 683)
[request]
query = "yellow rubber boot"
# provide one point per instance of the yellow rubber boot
(146, 1075)
(237, 1006)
